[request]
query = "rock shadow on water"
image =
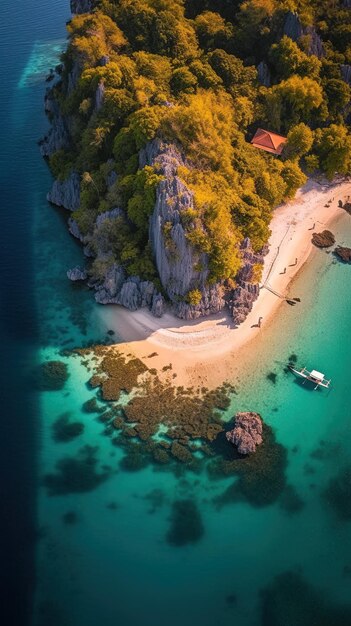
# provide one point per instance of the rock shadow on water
(291, 601)
(261, 477)
(338, 494)
(186, 523)
(75, 474)
(64, 431)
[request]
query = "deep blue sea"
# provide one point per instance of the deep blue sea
(102, 556)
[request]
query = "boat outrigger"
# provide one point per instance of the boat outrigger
(315, 377)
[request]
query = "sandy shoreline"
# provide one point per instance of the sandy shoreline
(205, 352)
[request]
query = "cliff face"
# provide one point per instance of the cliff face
(180, 266)
(294, 29)
(177, 262)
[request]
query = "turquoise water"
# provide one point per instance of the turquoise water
(102, 556)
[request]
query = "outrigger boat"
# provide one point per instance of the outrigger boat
(315, 377)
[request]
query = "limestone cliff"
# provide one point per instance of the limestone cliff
(176, 260)
(294, 29)
(181, 267)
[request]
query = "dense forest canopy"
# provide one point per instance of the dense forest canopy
(203, 74)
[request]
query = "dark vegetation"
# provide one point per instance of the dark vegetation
(75, 474)
(51, 376)
(186, 71)
(186, 523)
(338, 494)
(290, 600)
(260, 477)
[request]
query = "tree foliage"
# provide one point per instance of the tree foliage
(186, 71)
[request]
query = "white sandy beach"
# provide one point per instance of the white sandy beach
(201, 351)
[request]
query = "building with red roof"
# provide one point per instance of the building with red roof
(270, 142)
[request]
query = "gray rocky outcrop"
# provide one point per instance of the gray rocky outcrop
(77, 273)
(346, 73)
(74, 229)
(66, 193)
(58, 137)
(99, 96)
(241, 298)
(109, 215)
(294, 29)
(263, 74)
(81, 6)
(107, 291)
(158, 305)
(181, 268)
(247, 432)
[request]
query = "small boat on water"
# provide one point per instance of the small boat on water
(313, 376)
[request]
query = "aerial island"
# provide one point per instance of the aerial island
(197, 145)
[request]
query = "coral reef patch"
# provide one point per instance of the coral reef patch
(63, 430)
(261, 476)
(75, 474)
(51, 376)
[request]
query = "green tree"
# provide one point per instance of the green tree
(293, 177)
(287, 59)
(333, 148)
(300, 141)
(339, 96)
(238, 79)
(212, 30)
(183, 81)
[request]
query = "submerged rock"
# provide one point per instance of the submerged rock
(325, 239)
(76, 273)
(343, 253)
(247, 432)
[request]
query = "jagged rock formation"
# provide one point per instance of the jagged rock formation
(294, 29)
(343, 253)
(176, 260)
(325, 239)
(77, 273)
(58, 136)
(263, 74)
(242, 297)
(66, 193)
(346, 73)
(81, 6)
(99, 96)
(247, 432)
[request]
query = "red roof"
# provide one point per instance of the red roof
(271, 142)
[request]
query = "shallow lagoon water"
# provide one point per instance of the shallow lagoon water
(102, 555)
